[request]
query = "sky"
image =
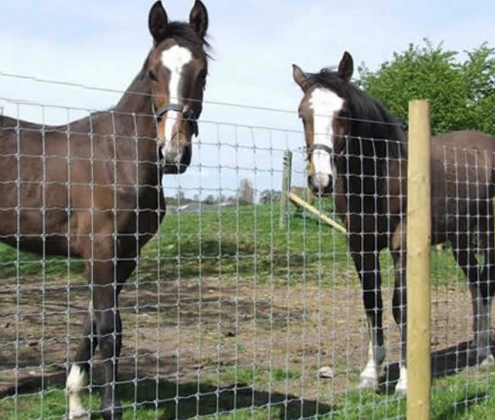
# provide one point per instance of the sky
(249, 114)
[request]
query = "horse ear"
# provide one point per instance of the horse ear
(157, 22)
(298, 75)
(346, 66)
(198, 18)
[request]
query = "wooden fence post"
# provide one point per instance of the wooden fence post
(309, 194)
(286, 181)
(418, 262)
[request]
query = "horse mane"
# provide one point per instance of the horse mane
(365, 117)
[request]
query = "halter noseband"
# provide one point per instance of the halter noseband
(318, 146)
(186, 111)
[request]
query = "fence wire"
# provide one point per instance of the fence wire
(226, 315)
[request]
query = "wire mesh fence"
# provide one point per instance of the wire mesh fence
(225, 315)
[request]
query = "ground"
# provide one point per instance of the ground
(215, 334)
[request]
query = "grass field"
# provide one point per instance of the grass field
(241, 255)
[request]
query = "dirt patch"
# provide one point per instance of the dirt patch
(272, 336)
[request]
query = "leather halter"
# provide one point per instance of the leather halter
(318, 146)
(187, 112)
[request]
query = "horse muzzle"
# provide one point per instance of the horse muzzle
(175, 161)
(321, 185)
(176, 153)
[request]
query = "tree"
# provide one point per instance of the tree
(210, 199)
(221, 198)
(479, 71)
(180, 195)
(231, 199)
(462, 93)
(270, 196)
(245, 194)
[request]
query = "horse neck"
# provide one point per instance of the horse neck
(130, 129)
(134, 118)
(137, 97)
(370, 155)
(135, 110)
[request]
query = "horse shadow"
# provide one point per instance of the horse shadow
(446, 362)
(189, 399)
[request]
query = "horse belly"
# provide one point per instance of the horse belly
(34, 216)
(36, 230)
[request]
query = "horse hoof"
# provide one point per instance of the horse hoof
(400, 391)
(489, 361)
(481, 356)
(79, 416)
(368, 383)
(111, 413)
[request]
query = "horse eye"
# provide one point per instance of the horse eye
(152, 75)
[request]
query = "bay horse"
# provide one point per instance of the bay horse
(92, 188)
(358, 151)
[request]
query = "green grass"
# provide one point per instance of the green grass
(235, 242)
(247, 241)
(14, 263)
(467, 396)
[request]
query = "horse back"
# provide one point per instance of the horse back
(462, 189)
(462, 181)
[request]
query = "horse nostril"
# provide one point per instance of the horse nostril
(320, 185)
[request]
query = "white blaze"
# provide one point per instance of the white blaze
(174, 60)
(325, 105)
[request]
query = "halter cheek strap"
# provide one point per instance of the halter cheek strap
(187, 112)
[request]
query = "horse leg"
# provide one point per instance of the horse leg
(109, 328)
(481, 289)
(368, 269)
(482, 295)
(77, 378)
(399, 311)
(102, 327)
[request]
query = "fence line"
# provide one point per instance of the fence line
(205, 101)
(235, 308)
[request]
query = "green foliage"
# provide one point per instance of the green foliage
(462, 93)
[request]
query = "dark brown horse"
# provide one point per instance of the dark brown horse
(359, 151)
(92, 188)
